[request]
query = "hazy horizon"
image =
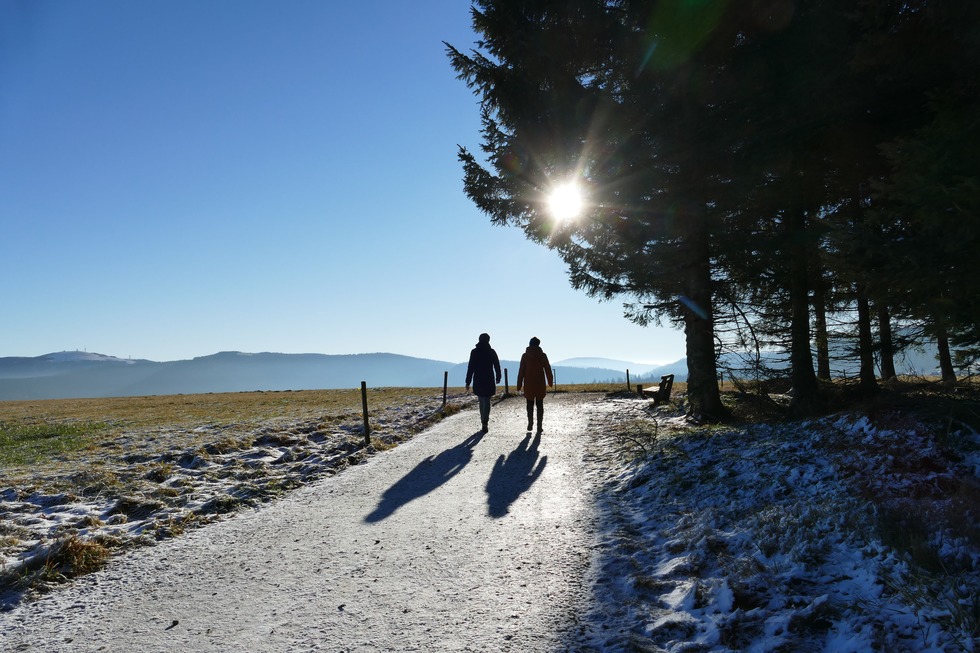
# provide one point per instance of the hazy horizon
(316, 353)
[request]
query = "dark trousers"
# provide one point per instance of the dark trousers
(484, 410)
(531, 403)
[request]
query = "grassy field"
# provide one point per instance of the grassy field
(52, 433)
(68, 432)
(80, 478)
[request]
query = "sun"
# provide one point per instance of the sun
(566, 202)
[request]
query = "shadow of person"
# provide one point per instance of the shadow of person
(426, 477)
(514, 475)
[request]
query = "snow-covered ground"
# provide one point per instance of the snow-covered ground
(843, 534)
(840, 534)
(150, 495)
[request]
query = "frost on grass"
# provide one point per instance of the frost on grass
(135, 490)
(840, 534)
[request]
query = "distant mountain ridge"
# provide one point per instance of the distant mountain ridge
(613, 364)
(65, 375)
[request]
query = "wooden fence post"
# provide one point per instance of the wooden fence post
(367, 426)
(445, 388)
(506, 384)
(628, 389)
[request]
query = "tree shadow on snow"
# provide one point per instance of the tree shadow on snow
(426, 477)
(514, 475)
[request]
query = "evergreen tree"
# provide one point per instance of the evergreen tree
(778, 159)
(925, 220)
(791, 68)
(615, 97)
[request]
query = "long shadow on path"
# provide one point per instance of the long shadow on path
(514, 475)
(426, 477)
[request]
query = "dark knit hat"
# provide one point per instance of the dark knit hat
(535, 342)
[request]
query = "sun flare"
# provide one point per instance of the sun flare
(566, 202)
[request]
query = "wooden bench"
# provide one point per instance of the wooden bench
(662, 394)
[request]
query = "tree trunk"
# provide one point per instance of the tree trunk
(887, 344)
(702, 371)
(868, 385)
(806, 395)
(945, 359)
(821, 339)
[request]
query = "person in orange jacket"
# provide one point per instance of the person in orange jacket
(534, 373)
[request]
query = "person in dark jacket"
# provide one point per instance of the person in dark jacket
(535, 371)
(483, 368)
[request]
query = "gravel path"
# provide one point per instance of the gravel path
(453, 541)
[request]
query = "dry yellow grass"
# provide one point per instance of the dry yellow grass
(191, 410)
(111, 473)
(42, 440)
(73, 433)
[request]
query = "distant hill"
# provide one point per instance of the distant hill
(71, 376)
(81, 374)
(571, 375)
(912, 361)
(611, 364)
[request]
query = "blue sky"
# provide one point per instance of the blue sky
(179, 178)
